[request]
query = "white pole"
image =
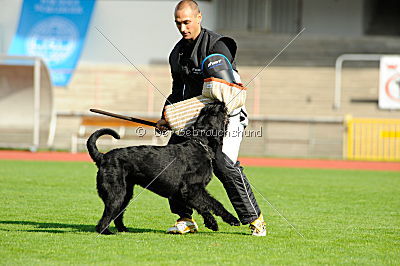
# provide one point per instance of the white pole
(338, 82)
(36, 105)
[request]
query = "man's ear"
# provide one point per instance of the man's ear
(199, 17)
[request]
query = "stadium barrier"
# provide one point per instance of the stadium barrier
(374, 139)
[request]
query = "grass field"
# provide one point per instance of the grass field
(49, 210)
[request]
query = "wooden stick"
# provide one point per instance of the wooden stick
(123, 117)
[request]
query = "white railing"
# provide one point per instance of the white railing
(338, 71)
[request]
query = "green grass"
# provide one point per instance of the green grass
(49, 209)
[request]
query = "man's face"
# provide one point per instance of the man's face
(188, 23)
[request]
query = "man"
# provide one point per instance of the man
(185, 61)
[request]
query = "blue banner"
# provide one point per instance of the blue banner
(54, 30)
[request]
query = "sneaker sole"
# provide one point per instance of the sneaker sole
(260, 234)
(182, 232)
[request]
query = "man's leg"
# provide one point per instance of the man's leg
(228, 170)
(230, 173)
(237, 187)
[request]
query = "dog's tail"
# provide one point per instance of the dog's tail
(91, 143)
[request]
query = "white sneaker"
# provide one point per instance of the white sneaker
(258, 227)
(183, 226)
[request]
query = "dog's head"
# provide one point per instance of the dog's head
(212, 122)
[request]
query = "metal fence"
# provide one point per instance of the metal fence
(373, 139)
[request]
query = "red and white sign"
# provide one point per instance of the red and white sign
(389, 82)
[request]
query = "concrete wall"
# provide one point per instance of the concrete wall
(333, 17)
(142, 32)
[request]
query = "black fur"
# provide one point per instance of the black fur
(184, 179)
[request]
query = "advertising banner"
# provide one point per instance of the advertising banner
(389, 82)
(54, 30)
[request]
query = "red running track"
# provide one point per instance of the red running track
(262, 162)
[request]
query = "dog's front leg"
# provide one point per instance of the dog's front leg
(215, 206)
(218, 209)
(209, 221)
(203, 210)
(196, 200)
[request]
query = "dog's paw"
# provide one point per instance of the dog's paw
(122, 229)
(232, 220)
(213, 226)
(106, 232)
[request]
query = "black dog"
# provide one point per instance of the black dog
(179, 171)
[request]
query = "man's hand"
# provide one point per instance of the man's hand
(162, 125)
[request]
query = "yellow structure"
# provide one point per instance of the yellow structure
(372, 139)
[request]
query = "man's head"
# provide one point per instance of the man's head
(188, 19)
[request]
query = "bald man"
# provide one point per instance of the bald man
(185, 61)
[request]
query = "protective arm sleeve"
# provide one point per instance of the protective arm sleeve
(221, 48)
